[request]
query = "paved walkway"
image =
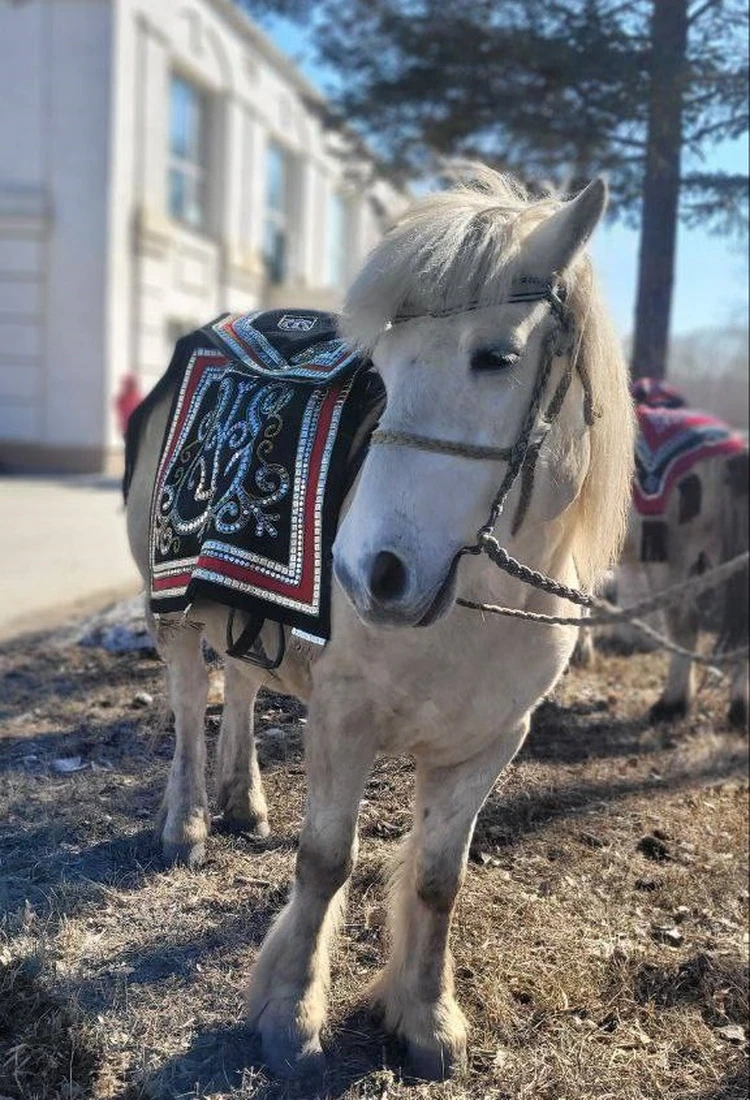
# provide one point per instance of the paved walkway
(63, 550)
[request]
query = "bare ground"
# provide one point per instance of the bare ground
(600, 940)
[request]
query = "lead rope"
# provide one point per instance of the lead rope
(607, 614)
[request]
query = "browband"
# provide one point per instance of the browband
(524, 288)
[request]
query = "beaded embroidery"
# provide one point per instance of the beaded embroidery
(253, 466)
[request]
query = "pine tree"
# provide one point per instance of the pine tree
(556, 92)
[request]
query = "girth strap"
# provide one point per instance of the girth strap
(241, 648)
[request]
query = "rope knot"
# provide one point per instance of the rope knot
(486, 540)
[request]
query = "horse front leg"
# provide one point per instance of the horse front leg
(288, 993)
(239, 786)
(415, 990)
(184, 819)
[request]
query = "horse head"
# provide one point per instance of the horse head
(475, 309)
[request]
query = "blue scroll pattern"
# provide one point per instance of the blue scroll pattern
(230, 427)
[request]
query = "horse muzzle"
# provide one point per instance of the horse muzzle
(384, 591)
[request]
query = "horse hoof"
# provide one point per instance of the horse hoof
(185, 855)
(434, 1063)
(286, 1058)
(662, 711)
(256, 826)
(239, 814)
(737, 715)
(250, 824)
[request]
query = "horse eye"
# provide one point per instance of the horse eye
(490, 359)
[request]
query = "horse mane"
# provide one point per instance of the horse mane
(459, 248)
(603, 505)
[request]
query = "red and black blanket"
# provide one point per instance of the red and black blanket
(255, 464)
(672, 438)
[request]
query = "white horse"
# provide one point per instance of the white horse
(704, 523)
(406, 669)
(717, 532)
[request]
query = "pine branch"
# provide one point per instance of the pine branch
(700, 10)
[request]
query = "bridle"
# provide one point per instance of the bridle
(521, 456)
(561, 340)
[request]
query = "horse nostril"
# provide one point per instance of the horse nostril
(388, 579)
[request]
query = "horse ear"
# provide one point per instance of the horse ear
(553, 245)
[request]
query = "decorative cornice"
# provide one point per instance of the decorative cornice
(147, 24)
(264, 47)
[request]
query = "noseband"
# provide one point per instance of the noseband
(522, 455)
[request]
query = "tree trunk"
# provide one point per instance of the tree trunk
(661, 188)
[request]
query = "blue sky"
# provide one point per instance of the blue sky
(711, 285)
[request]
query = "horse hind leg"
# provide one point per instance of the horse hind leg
(735, 636)
(734, 538)
(184, 819)
(679, 691)
(583, 654)
(738, 698)
(415, 991)
(239, 786)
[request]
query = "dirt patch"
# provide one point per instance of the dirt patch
(600, 939)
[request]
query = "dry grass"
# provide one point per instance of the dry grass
(600, 939)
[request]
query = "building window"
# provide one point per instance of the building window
(276, 231)
(187, 149)
(337, 240)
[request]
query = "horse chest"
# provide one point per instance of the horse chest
(443, 692)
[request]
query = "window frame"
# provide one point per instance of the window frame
(337, 252)
(191, 168)
(278, 218)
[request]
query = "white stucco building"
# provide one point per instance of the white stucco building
(160, 161)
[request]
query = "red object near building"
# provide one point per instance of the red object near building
(127, 400)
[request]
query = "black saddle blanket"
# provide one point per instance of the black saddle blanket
(254, 465)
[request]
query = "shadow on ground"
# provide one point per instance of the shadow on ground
(507, 819)
(735, 1086)
(45, 674)
(583, 731)
(43, 1041)
(226, 1058)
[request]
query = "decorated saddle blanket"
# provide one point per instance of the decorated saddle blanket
(255, 464)
(656, 393)
(672, 438)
